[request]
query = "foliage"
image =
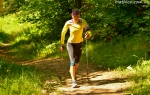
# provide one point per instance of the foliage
(13, 6)
(49, 16)
(110, 18)
(107, 18)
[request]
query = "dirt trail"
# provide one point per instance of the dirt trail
(100, 82)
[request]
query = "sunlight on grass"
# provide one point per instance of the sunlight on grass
(11, 22)
(140, 77)
(18, 79)
(49, 49)
(9, 25)
(123, 53)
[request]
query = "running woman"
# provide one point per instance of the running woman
(74, 44)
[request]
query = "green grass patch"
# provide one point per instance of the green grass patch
(10, 24)
(139, 76)
(122, 52)
(26, 41)
(9, 27)
(17, 79)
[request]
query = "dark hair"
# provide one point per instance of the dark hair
(75, 12)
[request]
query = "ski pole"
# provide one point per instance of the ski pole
(60, 68)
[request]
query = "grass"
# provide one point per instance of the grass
(26, 44)
(123, 53)
(19, 80)
(24, 39)
(139, 76)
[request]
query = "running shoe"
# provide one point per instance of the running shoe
(74, 84)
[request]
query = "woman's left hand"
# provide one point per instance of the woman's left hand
(86, 36)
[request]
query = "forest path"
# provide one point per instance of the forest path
(98, 83)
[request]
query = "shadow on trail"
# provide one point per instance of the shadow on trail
(4, 37)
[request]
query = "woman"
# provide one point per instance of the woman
(74, 44)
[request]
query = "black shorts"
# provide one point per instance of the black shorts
(74, 51)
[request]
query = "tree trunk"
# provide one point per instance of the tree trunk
(1, 6)
(78, 4)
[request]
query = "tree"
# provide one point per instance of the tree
(78, 4)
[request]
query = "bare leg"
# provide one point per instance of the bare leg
(76, 66)
(72, 72)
